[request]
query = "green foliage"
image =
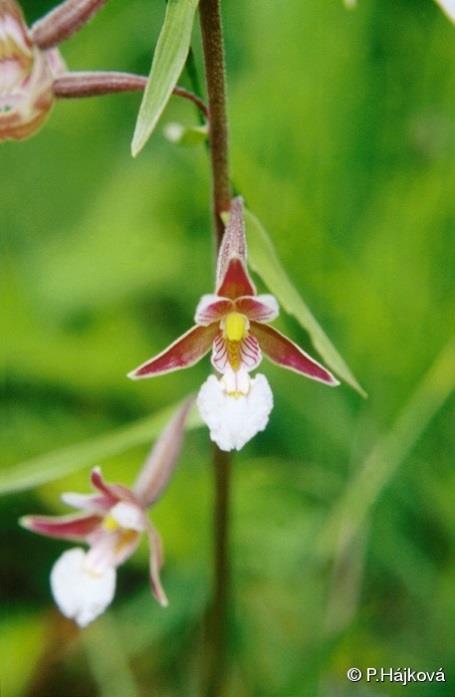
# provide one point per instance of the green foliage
(168, 62)
(343, 144)
(55, 465)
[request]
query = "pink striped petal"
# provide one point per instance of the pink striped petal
(70, 527)
(219, 353)
(259, 308)
(250, 352)
(285, 353)
(212, 308)
(156, 562)
(183, 353)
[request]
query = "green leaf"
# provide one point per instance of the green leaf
(168, 62)
(351, 511)
(46, 468)
(263, 260)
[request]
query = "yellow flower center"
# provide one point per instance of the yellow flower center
(110, 524)
(235, 326)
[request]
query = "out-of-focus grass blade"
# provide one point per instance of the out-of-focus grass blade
(168, 62)
(46, 468)
(350, 513)
(263, 260)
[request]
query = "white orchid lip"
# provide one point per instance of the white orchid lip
(234, 418)
(80, 594)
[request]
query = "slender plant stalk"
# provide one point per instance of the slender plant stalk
(212, 40)
(216, 655)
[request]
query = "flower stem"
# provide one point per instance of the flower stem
(218, 615)
(213, 46)
(96, 83)
(212, 41)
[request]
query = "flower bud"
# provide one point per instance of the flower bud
(26, 76)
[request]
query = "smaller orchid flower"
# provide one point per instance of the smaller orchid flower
(234, 323)
(111, 523)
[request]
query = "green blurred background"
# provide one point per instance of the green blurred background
(343, 143)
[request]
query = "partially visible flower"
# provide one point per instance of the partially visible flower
(26, 76)
(448, 6)
(233, 322)
(111, 522)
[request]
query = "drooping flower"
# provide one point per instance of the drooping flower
(111, 522)
(26, 76)
(234, 323)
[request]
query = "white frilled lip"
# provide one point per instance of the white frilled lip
(234, 420)
(81, 594)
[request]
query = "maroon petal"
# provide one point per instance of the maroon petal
(236, 281)
(232, 279)
(156, 562)
(70, 527)
(183, 353)
(285, 353)
(259, 308)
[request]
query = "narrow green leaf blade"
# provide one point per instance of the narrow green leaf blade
(264, 261)
(168, 62)
(45, 468)
(349, 515)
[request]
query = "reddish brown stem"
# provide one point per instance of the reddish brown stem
(95, 83)
(218, 616)
(212, 41)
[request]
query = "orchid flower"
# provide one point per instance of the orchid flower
(233, 323)
(111, 522)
